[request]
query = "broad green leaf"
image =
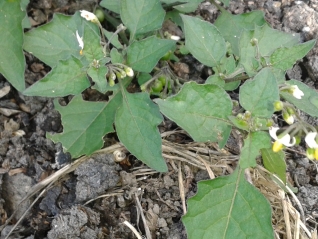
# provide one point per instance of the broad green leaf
(203, 40)
(136, 124)
(201, 110)
(265, 45)
(98, 75)
(115, 56)
(26, 21)
(275, 162)
(141, 16)
(12, 62)
(284, 58)
(55, 40)
(258, 95)
(279, 75)
(92, 47)
(228, 207)
(85, 124)
(215, 80)
(231, 26)
(67, 78)
(112, 5)
(144, 55)
(308, 103)
(251, 149)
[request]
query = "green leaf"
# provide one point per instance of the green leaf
(98, 75)
(284, 58)
(144, 55)
(26, 21)
(251, 149)
(232, 26)
(201, 110)
(308, 103)
(136, 126)
(141, 16)
(92, 47)
(85, 124)
(228, 207)
(265, 46)
(275, 162)
(239, 123)
(113, 38)
(203, 40)
(67, 78)
(115, 56)
(258, 95)
(12, 62)
(55, 40)
(191, 6)
(112, 5)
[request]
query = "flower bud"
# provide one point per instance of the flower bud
(269, 123)
(112, 76)
(254, 41)
(129, 71)
(288, 118)
(290, 110)
(247, 114)
(278, 105)
(123, 74)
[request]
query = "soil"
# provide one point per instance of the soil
(93, 198)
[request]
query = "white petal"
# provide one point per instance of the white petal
(285, 140)
(273, 132)
(311, 140)
(297, 93)
(175, 38)
(88, 16)
(80, 40)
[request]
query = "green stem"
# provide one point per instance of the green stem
(222, 9)
(236, 78)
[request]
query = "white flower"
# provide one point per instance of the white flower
(297, 93)
(311, 140)
(175, 38)
(280, 141)
(80, 41)
(89, 16)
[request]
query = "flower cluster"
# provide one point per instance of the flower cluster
(119, 71)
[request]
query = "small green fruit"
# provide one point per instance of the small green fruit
(157, 86)
(167, 56)
(99, 13)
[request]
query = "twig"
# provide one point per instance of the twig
(181, 189)
(133, 229)
(148, 234)
(286, 214)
